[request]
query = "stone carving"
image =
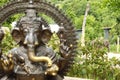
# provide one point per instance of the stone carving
(33, 59)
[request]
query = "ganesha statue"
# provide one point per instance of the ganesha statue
(33, 59)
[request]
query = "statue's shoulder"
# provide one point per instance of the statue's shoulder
(13, 50)
(17, 50)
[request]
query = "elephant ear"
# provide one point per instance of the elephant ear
(16, 35)
(46, 35)
(1, 34)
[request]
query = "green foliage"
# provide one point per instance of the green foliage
(99, 16)
(47, 18)
(7, 43)
(92, 62)
(54, 43)
(114, 5)
(75, 10)
(117, 28)
(2, 2)
(113, 48)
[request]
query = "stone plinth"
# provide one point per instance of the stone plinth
(73, 78)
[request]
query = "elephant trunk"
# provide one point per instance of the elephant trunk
(33, 58)
(31, 41)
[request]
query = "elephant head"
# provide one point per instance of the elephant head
(29, 33)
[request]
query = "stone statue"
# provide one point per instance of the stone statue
(33, 59)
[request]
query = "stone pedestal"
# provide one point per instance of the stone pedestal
(73, 78)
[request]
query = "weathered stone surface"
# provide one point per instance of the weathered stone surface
(73, 78)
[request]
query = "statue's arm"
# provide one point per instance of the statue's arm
(6, 61)
(54, 68)
(1, 38)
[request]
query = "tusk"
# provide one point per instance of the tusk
(25, 41)
(36, 40)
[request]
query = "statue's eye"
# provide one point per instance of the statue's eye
(25, 31)
(36, 31)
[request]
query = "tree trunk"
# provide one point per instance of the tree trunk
(83, 25)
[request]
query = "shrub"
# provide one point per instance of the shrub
(92, 62)
(7, 43)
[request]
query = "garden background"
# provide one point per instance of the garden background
(91, 60)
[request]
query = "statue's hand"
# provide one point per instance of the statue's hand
(65, 50)
(7, 62)
(52, 70)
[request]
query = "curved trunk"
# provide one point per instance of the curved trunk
(32, 57)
